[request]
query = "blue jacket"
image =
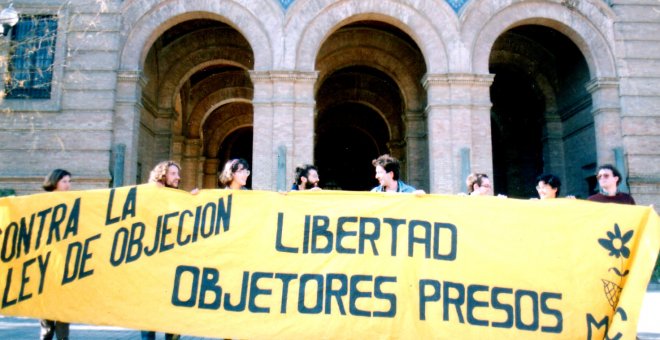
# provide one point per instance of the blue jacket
(401, 187)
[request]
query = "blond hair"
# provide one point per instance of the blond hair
(472, 179)
(159, 172)
(233, 165)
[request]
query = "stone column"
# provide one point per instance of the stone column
(178, 146)
(438, 122)
(607, 117)
(189, 163)
(211, 169)
(553, 146)
(126, 120)
(458, 120)
(283, 117)
(416, 149)
(480, 107)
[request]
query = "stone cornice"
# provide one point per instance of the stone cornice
(283, 75)
(601, 83)
(457, 79)
(129, 75)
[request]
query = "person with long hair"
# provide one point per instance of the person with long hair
(57, 180)
(235, 174)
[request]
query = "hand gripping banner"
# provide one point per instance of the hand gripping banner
(329, 264)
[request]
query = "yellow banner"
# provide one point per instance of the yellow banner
(251, 264)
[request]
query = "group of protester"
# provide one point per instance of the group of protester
(548, 186)
(236, 172)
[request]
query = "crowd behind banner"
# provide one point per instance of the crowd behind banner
(392, 262)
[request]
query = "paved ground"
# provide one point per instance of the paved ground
(12, 328)
(19, 328)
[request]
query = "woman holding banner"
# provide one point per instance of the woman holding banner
(235, 174)
(57, 180)
(548, 186)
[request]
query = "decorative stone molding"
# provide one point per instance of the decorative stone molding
(602, 83)
(283, 76)
(131, 76)
(458, 79)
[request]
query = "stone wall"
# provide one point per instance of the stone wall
(102, 58)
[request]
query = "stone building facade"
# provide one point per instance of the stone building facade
(510, 88)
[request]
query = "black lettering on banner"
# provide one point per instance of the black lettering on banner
(286, 279)
(56, 220)
(120, 239)
(545, 296)
(473, 303)
(209, 286)
(27, 272)
(366, 236)
(320, 229)
(356, 294)
(196, 287)
(255, 291)
(604, 323)
(457, 301)
(381, 295)
(176, 297)
(337, 293)
(394, 224)
(240, 306)
(154, 246)
(279, 246)
(21, 237)
(497, 304)
(182, 220)
(164, 246)
(534, 299)
(80, 253)
(134, 246)
(317, 306)
(42, 222)
(343, 233)
(424, 297)
(321, 235)
(9, 250)
(522, 308)
(130, 244)
(129, 207)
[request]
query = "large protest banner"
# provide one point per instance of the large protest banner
(251, 264)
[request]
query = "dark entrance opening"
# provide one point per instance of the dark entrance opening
(349, 136)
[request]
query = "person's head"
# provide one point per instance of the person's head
(387, 169)
(57, 180)
(307, 177)
(548, 186)
(235, 174)
(608, 177)
(166, 174)
(479, 184)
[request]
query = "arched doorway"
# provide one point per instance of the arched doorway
(369, 81)
(349, 136)
(238, 144)
(541, 118)
(197, 93)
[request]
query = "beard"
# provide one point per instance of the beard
(309, 185)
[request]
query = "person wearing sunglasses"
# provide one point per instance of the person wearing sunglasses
(608, 179)
(235, 174)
